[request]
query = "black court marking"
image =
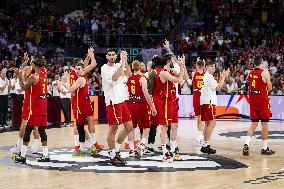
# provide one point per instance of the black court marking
(266, 179)
(272, 134)
(62, 160)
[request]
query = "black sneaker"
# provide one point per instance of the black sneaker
(207, 150)
(246, 150)
(267, 152)
(43, 159)
(177, 155)
(117, 160)
(149, 151)
(19, 159)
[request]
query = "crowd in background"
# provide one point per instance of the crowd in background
(235, 30)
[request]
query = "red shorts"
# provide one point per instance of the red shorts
(167, 110)
(118, 113)
(155, 119)
(256, 115)
(208, 112)
(140, 113)
(82, 112)
(37, 120)
(197, 110)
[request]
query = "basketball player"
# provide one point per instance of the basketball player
(114, 78)
(140, 105)
(82, 105)
(36, 90)
(25, 113)
(168, 107)
(154, 91)
(73, 76)
(208, 101)
(260, 109)
(197, 80)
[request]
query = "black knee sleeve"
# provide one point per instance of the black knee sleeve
(42, 133)
(169, 131)
(152, 134)
(27, 135)
(81, 132)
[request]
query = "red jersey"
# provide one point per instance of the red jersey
(167, 90)
(156, 88)
(81, 97)
(136, 94)
(38, 100)
(258, 93)
(197, 81)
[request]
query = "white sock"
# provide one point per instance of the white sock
(164, 148)
(89, 143)
(173, 145)
(24, 150)
(117, 146)
(19, 143)
(76, 140)
(200, 135)
(151, 145)
(81, 144)
(93, 138)
(264, 144)
(45, 151)
(131, 145)
(204, 143)
(248, 139)
(112, 153)
(143, 141)
(35, 144)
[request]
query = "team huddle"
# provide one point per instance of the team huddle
(137, 100)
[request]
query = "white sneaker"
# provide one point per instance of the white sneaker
(15, 150)
(167, 158)
(140, 149)
(131, 153)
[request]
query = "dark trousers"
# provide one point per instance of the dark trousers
(17, 105)
(3, 109)
(66, 109)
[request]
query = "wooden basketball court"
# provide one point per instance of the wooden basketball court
(227, 169)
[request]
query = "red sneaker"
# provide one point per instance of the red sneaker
(99, 146)
(126, 146)
(76, 148)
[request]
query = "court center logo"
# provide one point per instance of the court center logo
(243, 134)
(62, 159)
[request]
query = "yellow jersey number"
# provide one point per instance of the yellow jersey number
(199, 84)
(133, 86)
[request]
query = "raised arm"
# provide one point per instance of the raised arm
(143, 82)
(93, 64)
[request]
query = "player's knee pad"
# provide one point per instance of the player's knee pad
(81, 132)
(27, 135)
(42, 133)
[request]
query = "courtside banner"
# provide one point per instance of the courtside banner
(232, 106)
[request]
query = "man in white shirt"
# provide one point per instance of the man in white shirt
(65, 103)
(114, 78)
(55, 86)
(3, 98)
(208, 102)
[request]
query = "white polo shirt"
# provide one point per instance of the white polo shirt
(2, 83)
(208, 91)
(17, 86)
(114, 91)
(55, 92)
(13, 84)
